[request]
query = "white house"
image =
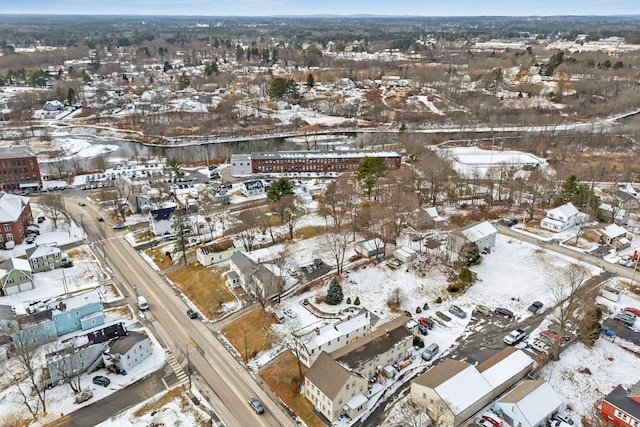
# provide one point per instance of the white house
(162, 221)
(128, 351)
(530, 404)
(253, 188)
(561, 218)
(218, 251)
(482, 234)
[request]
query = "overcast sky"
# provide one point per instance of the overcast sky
(313, 7)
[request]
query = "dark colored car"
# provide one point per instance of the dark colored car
(504, 312)
(511, 222)
(356, 257)
(457, 311)
(100, 219)
(426, 322)
(423, 329)
(82, 204)
(100, 380)
(192, 314)
(256, 405)
(535, 307)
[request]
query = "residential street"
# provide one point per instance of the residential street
(225, 383)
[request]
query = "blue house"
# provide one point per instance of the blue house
(77, 312)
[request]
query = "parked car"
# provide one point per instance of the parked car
(118, 227)
(457, 311)
(514, 337)
(484, 423)
(632, 310)
(393, 263)
(493, 421)
(431, 350)
(30, 238)
(563, 417)
(292, 314)
(426, 322)
(504, 312)
(256, 405)
(483, 309)
(558, 423)
(625, 317)
(355, 257)
(549, 335)
(540, 347)
(192, 314)
(511, 222)
(100, 380)
(535, 307)
(625, 260)
(423, 329)
(84, 395)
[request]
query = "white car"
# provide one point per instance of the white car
(625, 260)
(514, 337)
(292, 314)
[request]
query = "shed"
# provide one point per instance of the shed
(404, 254)
(370, 248)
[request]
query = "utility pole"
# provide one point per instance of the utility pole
(245, 345)
(188, 366)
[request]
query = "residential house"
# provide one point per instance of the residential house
(332, 336)
(256, 279)
(530, 404)
(128, 351)
(627, 201)
(615, 235)
(561, 218)
(15, 276)
(483, 234)
(330, 386)
(614, 214)
(19, 169)
(253, 188)
(15, 217)
(337, 383)
(218, 251)
(54, 105)
(370, 248)
(426, 218)
(46, 257)
(622, 406)
(76, 312)
(438, 389)
(72, 361)
(162, 221)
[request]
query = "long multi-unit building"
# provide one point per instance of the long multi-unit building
(19, 169)
(302, 162)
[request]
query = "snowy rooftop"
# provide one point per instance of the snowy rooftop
(322, 154)
(614, 230)
(499, 373)
(479, 231)
(464, 389)
(76, 301)
(268, 254)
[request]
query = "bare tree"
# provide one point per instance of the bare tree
(288, 336)
(248, 229)
(119, 196)
(29, 361)
(336, 243)
(289, 213)
(565, 293)
(53, 206)
(180, 222)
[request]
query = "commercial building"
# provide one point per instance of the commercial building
(19, 169)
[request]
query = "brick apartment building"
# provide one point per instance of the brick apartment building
(15, 217)
(19, 169)
(313, 161)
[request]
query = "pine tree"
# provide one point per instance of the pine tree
(334, 294)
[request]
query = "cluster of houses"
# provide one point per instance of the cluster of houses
(16, 274)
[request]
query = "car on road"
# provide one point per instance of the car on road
(118, 227)
(457, 311)
(511, 222)
(535, 307)
(82, 204)
(355, 257)
(625, 260)
(256, 405)
(504, 312)
(100, 219)
(100, 380)
(514, 337)
(192, 314)
(632, 310)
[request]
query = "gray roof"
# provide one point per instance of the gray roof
(243, 262)
(374, 344)
(327, 375)
(619, 398)
(123, 344)
(16, 151)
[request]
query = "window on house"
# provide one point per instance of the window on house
(7, 227)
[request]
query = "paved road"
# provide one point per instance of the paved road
(222, 380)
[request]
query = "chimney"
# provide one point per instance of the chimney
(366, 314)
(317, 331)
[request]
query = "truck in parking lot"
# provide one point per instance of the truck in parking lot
(514, 337)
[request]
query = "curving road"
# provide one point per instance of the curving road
(222, 380)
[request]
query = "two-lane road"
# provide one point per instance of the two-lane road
(225, 383)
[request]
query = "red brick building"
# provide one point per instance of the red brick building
(15, 217)
(19, 169)
(621, 407)
(317, 161)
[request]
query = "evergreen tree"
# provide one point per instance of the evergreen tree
(334, 294)
(279, 189)
(368, 171)
(310, 80)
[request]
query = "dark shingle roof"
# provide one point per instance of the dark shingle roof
(619, 398)
(123, 344)
(162, 214)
